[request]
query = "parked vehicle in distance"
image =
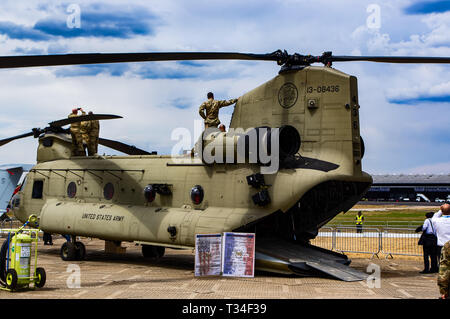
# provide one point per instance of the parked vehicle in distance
(422, 198)
(439, 200)
(405, 199)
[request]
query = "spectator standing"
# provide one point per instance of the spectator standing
(429, 242)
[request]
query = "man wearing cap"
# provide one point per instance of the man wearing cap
(75, 131)
(212, 107)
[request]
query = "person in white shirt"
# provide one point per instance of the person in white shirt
(441, 222)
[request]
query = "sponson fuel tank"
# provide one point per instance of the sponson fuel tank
(174, 226)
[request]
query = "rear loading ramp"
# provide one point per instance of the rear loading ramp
(282, 256)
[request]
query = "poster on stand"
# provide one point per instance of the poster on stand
(238, 256)
(208, 254)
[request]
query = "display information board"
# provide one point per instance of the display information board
(238, 255)
(208, 254)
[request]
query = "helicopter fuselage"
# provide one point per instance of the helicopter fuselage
(104, 196)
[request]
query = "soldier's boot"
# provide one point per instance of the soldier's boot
(91, 149)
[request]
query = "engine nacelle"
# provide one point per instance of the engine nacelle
(259, 145)
(54, 146)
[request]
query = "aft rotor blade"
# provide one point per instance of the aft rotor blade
(122, 147)
(96, 58)
(81, 118)
(10, 139)
(391, 59)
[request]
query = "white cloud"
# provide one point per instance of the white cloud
(33, 97)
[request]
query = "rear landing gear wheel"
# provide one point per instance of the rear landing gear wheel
(155, 252)
(81, 250)
(68, 251)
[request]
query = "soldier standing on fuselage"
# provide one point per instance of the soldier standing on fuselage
(75, 131)
(212, 110)
(85, 128)
(90, 132)
(94, 132)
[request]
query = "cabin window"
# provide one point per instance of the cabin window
(38, 187)
(71, 189)
(108, 191)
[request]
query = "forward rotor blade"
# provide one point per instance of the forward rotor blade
(281, 57)
(95, 58)
(121, 147)
(391, 59)
(81, 118)
(10, 139)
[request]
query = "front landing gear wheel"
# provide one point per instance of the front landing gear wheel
(68, 251)
(81, 250)
(155, 252)
(41, 277)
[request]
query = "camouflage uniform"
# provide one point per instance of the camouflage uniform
(444, 270)
(94, 131)
(85, 128)
(212, 111)
(77, 139)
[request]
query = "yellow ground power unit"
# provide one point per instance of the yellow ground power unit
(16, 256)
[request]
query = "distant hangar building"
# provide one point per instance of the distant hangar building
(401, 187)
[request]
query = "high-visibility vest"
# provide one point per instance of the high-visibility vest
(359, 219)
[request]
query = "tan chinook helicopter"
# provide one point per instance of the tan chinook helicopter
(162, 201)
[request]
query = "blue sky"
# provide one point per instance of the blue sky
(405, 109)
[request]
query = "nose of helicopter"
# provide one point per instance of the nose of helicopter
(16, 207)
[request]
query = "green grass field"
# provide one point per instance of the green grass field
(385, 215)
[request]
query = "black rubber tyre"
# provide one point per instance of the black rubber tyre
(3, 252)
(41, 277)
(3, 262)
(81, 250)
(68, 251)
(11, 279)
(155, 252)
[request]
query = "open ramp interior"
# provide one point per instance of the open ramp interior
(306, 260)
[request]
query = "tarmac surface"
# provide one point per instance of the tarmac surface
(129, 275)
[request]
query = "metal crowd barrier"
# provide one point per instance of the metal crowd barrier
(326, 238)
(348, 239)
(401, 241)
(371, 240)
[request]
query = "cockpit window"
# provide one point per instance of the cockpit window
(38, 187)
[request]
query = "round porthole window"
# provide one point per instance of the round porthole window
(149, 193)
(197, 194)
(71, 190)
(108, 191)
